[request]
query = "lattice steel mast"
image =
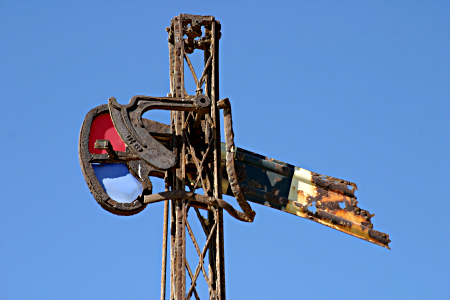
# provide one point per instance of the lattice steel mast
(206, 130)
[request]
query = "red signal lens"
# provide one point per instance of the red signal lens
(102, 128)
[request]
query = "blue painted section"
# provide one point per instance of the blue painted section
(118, 182)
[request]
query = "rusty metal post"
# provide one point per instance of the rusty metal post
(203, 126)
(178, 283)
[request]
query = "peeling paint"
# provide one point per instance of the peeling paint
(305, 194)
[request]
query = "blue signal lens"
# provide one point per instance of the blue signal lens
(118, 182)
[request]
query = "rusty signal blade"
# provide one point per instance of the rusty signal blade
(326, 200)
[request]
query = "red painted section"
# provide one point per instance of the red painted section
(102, 128)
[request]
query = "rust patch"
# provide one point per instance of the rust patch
(349, 216)
(303, 197)
(239, 156)
(240, 172)
(272, 198)
(297, 204)
(247, 190)
(275, 191)
(334, 184)
(253, 184)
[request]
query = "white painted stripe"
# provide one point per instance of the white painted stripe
(302, 175)
(301, 186)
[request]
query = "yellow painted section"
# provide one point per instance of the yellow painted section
(225, 184)
(349, 216)
(335, 197)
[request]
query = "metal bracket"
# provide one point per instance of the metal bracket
(127, 120)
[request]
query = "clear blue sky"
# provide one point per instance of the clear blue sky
(359, 90)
